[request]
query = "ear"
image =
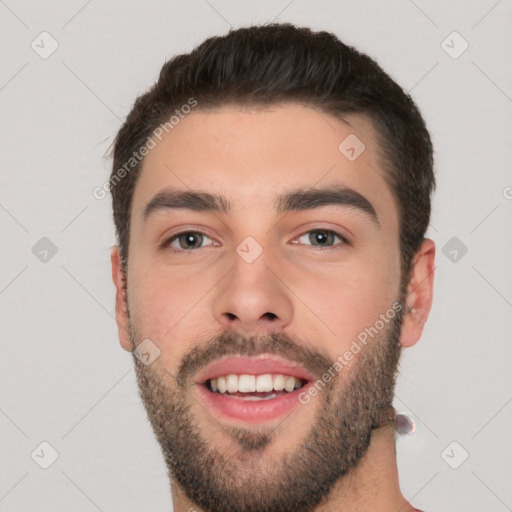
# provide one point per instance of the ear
(122, 315)
(420, 290)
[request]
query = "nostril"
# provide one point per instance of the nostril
(269, 316)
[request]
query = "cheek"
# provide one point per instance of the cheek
(164, 305)
(347, 302)
(152, 301)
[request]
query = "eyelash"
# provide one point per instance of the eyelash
(343, 239)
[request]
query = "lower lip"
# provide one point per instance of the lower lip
(251, 411)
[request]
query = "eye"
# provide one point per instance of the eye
(323, 238)
(190, 241)
(186, 241)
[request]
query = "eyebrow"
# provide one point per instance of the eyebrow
(292, 200)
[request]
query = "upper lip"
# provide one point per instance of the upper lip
(243, 365)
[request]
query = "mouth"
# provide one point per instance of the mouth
(252, 390)
(254, 387)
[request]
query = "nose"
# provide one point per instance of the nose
(252, 298)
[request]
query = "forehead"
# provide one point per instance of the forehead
(250, 156)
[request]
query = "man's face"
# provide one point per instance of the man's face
(277, 286)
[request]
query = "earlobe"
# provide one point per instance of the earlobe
(122, 313)
(418, 301)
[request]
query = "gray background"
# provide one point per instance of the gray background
(64, 377)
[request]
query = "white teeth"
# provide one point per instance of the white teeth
(264, 382)
(255, 383)
(247, 383)
(232, 383)
(258, 398)
(221, 383)
(289, 384)
(279, 382)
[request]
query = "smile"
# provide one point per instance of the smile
(254, 387)
(252, 390)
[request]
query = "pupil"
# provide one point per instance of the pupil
(189, 239)
(320, 236)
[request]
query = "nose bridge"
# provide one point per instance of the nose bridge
(252, 296)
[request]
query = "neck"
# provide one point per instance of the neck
(372, 486)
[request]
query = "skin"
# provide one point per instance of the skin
(324, 297)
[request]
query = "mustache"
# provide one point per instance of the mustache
(229, 343)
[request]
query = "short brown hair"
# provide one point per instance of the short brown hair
(275, 63)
